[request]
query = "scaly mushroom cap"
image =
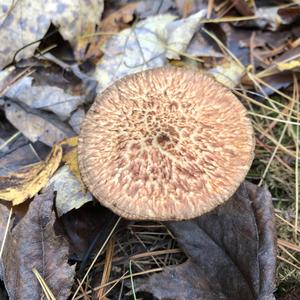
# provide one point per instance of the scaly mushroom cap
(165, 144)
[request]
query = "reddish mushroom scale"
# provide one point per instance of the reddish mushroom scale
(165, 144)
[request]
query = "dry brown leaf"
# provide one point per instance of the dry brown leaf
(231, 250)
(188, 7)
(22, 185)
(113, 23)
(185, 7)
(87, 228)
(34, 244)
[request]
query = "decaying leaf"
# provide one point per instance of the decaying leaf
(70, 157)
(76, 119)
(155, 7)
(34, 244)
(87, 228)
(17, 187)
(4, 213)
(48, 97)
(146, 45)
(200, 46)
(191, 6)
(69, 191)
(19, 28)
(133, 50)
(24, 155)
(273, 17)
(231, 250)
(4, 219)
(229, 73)
(180, 33)
(112, 24)
(245, 8)
(36, 125)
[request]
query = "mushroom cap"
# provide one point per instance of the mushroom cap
(165, 144)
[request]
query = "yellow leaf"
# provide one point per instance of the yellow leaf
(22, 185)
(71, 142)
(70, 157)
(290, 65)
(229, 73)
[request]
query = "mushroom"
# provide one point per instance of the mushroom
(165, 144)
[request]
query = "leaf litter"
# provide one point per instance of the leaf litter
(231, 252)
(20, 30)
(250, 46)
(33, 244)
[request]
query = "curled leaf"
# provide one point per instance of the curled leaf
(22, 185)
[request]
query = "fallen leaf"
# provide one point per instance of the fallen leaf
(155, 7)
(36, 125)
(45, 97)
(6, 79)
(245, 8)
(133, 50)
(4, 219)
(231, 250)
(4, 213)
(17, 187)
(187, 7)
(180, 33)
(19, 28)
(76, 119)
(146, 45)
(110, 25)
(22, 156)
(69, 192)
(200, 46)
(70, 157)
(86, 229)
(10, 138)
(228, 73)
(32, 243)
(273, 17)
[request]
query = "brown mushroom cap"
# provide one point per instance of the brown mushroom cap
(165, 144)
